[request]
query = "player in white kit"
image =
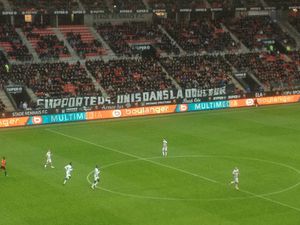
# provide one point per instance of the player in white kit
(68, 169)
(96, 177)
(165, 148)
(48, 159)
(235, 174)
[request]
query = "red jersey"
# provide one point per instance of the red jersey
(3, 163)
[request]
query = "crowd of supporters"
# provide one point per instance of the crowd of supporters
(128, 4)
(234, 3)
(46, 5)
(49, 47)
(171, 5)
(46, 43)
(2, 106)
(84, 48)
(43, 5)
(295, 57)
(3, 69)
(198, 71)
(294, 20)
(285, 3)
(191, 4)
(52, 79)
(190, 68)
(129, 76)
(274, 71)
(124, 37)
(256, 32)
(95, 4)
(200, 36)
(10, 40)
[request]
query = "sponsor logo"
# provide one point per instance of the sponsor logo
(117, 113)
(183, 107)
(37, 120)
(249, 102)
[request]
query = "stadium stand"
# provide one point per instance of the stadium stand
(128, 4)
(52, 79)
(82, 41)
(95, 4)
(27, 5)
(285, 3)
(129, 75)
(256, 31)
(46, 43)
(3, 70)
(2, 106)
(12, 44)
(199, 71)
(199, 50)
(234, 3)
(294, 20)
(200, 36)
(275, 71)
(122, 38)
(177, 4)
(295, 57)
(3, 62)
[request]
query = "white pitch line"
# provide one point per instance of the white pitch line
(270, 200)
(171, 167)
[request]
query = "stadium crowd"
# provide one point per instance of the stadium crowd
(123, 38)
(256, 32)
(129, 76)
(12, 43)
(2, 106)
(52, 79)
(198, 71)
(282, 4)
(46, 43)
(274, 71)
(84, 48)
(95, 4)
(43, 5)
(189, 53)
(200, 36)
(294, 20)
(128, 4)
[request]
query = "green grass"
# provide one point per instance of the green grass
(139, 187)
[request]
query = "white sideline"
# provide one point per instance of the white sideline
(171, 167)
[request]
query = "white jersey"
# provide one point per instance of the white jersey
(236, 174)
(48, 156)
(96, 174)
(165, 144)
(68, 169)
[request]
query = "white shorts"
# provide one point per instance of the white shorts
(96, 179)
(164, 149)
(236, 180)
(49, 161)
(68, 175)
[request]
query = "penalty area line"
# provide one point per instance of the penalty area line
(170, 167)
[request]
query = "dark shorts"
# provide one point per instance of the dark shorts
(3, 168)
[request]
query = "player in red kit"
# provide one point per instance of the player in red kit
(3, 165)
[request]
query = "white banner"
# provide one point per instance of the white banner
(150, 96)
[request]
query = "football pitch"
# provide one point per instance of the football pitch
(139, 187)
